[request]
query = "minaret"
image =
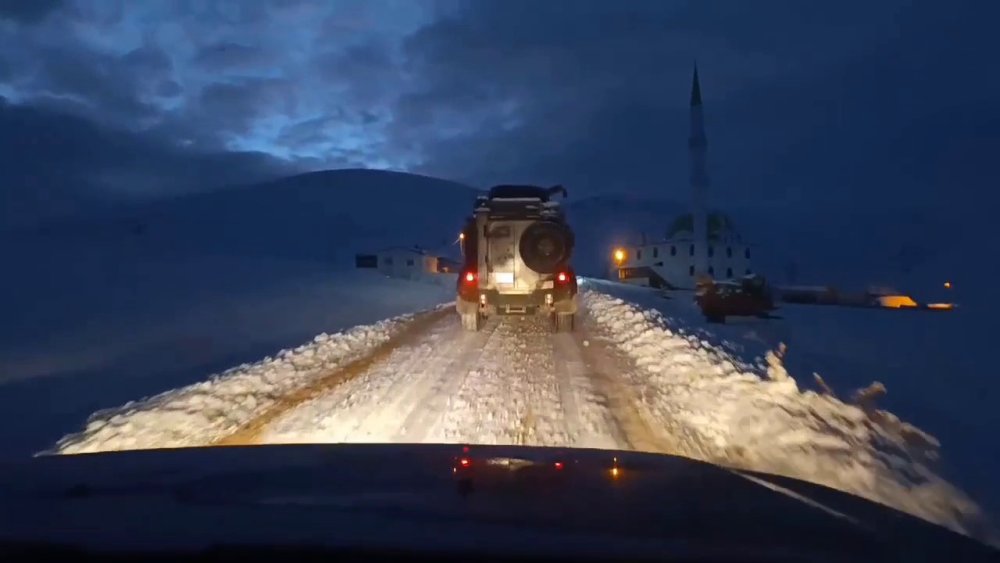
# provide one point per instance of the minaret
(697, 146)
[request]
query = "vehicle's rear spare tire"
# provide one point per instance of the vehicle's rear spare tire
(545, 245)
(472, 321)
(563, 322)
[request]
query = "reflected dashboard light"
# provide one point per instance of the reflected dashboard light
(615, 471)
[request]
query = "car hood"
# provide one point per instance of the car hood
(496, 500)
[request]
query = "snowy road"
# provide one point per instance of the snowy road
(512, 383)
(627, 379)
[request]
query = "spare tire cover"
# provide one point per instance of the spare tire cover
(545, 245)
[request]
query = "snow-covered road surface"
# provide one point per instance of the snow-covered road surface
(512, 383)
(625, 380)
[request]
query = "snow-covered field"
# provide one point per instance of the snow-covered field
(124, 321)
(761, 418)
(51, 383)
(628, 379)
(935, 368)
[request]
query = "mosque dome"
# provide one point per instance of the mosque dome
(720, 227)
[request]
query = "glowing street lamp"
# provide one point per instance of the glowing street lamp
(619, 256)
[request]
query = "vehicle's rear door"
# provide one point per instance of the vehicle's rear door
(501, 242)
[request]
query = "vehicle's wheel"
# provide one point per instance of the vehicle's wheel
(563, 322)
(472, 321)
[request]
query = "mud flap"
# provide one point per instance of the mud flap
(563, 322)
(472, 321)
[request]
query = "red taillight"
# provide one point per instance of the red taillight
(464, 462)
(470, 277)
(558, 465)
(562, 277)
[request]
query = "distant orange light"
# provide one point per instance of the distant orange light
(615, 472)
(896, 301)
(619, 255)
(947, 285)
(461, 236)
(941, 306)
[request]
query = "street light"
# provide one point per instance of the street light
(619, 256)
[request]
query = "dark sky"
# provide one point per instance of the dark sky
(808, 103)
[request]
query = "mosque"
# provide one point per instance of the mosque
(697, 243)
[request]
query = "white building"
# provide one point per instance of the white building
(400, 262)
(697, 243)
(671, 262)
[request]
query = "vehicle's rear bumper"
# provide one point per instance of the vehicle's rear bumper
(493, 302)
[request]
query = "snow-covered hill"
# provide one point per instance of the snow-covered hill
(76, 277)
(113, 305)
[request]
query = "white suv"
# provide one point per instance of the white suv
(517, 248)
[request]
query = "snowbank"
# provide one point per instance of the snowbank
(199, 414)
(756, 418)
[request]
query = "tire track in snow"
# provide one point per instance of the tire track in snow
(436, 400)
(393, 390)
(512, 383)
(528, 388)
(396, 400)
(623, 404)
(500, 401)
(588, 417)
(250, 432)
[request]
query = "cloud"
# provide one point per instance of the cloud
(228, 55)
(825, 104)
(216, 74)
(55, 164)
(800, 99)
(28, 11)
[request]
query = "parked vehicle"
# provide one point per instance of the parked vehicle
(749, 296)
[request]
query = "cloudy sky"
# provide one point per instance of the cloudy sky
(827, 103)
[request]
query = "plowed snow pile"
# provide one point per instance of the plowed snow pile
(199, 414)
(758, 419)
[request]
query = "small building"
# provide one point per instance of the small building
(400, 262)
(670, 262)
(447, 265)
